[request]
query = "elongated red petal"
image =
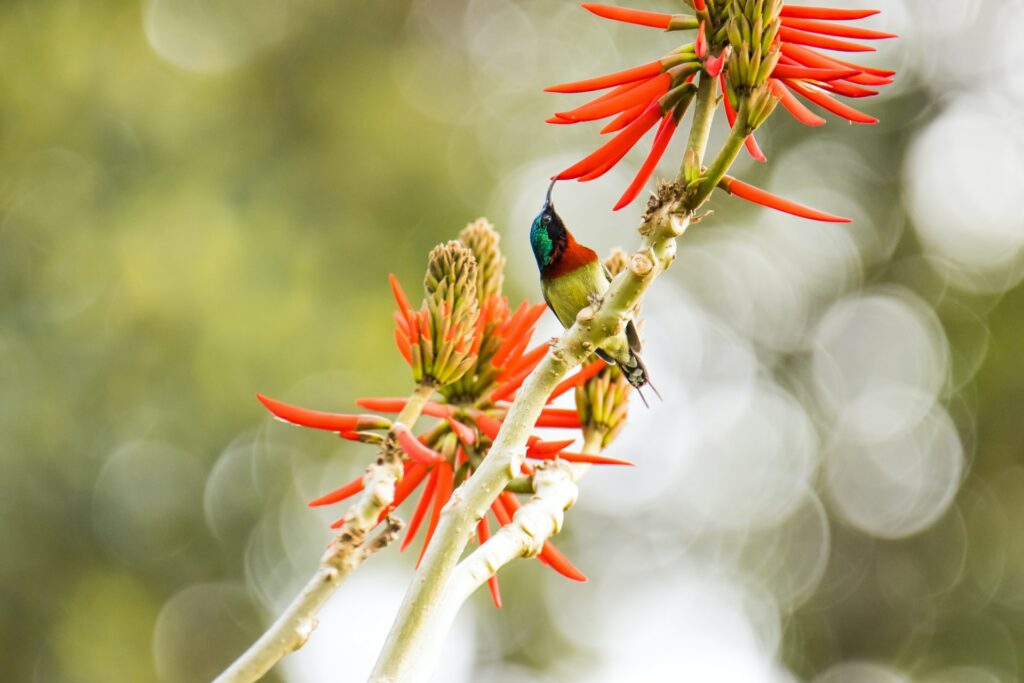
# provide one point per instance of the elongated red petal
(617, 147)
(465, 434)
(404, 348)
(580, 377)
(503, 515)
(624, 119)
(395, 405)
(829, 13)
(661, 140)
(807, 72)
(609, 80)
(415, 449)
(588, 458)
(795, 106)
(339, 494)
(792, 35)
(421, 508)
(559, 421)
(651, 89)
(847, 89)
(541, 448)
(529, 359)
(764, 198)
(483, 533)
(749, 142)
(823, 100)
(630, 16)
(829, 29)
(414, 475)
(553, 557)
(442, 492)
(331, 422)
(809, 57)
(400, 298)
(489, 425)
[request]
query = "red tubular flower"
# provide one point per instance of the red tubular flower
(642, 99)
(759, 196)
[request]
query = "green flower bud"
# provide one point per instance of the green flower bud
(481, 238)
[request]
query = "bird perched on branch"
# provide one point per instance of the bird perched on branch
(571, 277)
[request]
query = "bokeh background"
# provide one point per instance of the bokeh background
(201, 199)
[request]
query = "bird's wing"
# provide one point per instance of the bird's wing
(633, 337)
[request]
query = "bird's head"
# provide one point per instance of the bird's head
(547, 234)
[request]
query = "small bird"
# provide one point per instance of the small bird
(571, 277)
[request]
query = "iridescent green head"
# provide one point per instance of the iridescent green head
(547, 234)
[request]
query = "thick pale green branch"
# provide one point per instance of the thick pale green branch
(419, 627)
(291, 630)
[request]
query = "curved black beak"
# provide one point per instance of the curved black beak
(547, 197)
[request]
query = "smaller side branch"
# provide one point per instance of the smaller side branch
(347, 551)
(556, 491)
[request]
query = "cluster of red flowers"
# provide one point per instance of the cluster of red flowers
(660, 91)
(449, 452)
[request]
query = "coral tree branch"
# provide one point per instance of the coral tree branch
(412, 647)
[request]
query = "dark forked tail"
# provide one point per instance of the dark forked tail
(635, 372)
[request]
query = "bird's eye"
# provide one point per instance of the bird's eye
(546, 219)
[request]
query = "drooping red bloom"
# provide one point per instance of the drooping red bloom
(658, 92)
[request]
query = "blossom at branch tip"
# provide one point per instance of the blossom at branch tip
(784, 58)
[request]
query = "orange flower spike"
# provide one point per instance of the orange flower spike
(331, 422)
(442, 492)
(421, 509)
(759, 196)
(336, 496)
(483, 533)
(416, 449)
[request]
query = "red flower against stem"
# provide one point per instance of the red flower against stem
(657, 93)
(450, 451)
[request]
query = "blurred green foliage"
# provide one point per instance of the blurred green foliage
(174, 239)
